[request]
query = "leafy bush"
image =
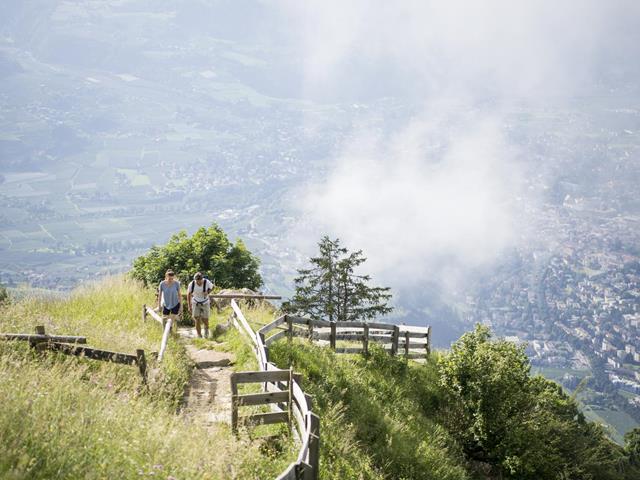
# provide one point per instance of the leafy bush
(524, 427)
(632, 447)
(209, 251)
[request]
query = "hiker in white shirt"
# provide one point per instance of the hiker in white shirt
(198, 301)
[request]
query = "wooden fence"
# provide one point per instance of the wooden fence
(283, 392)
(69, 345)
(281, 398)
(412, 342)
(281, 389)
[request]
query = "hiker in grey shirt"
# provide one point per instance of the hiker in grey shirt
(169, 296)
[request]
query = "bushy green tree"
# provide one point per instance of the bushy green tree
(332, 290)
(524, 427)
(209, 251)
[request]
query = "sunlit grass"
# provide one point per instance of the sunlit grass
(59, 421)
(67, 417)
(377, 413)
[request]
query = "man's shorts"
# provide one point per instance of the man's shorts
(201, 310)
(173, 311)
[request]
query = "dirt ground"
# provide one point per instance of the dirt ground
(207, 398)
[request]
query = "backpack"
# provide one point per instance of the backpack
(204, 285)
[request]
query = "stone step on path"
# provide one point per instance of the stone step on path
(207, 398)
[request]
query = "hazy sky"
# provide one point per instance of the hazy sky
(426, 178)
(444, 192)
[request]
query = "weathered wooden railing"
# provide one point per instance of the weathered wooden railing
(240, 296)
(69, 344)
(166, 325)
(278, 397)
(296, 411)
(412, 342)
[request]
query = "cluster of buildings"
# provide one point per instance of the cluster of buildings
(577, 304)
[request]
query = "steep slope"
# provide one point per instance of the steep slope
(469, 413)
(374, 414)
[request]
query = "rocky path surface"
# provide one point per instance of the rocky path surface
(207, 398)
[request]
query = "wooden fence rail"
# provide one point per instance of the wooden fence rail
(412, 342)
(69, 345)
(167, 325)
(278, 397)
(38, 338)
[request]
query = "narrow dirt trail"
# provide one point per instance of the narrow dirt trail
(207, 398)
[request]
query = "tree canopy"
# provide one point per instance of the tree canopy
(331, 289)
(209, 251)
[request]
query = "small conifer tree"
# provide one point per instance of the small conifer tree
(332, 290)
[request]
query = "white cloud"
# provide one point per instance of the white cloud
(437, 196)
(429, 198)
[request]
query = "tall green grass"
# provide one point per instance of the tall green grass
(65, 417)
(376, 414)
(109, 314)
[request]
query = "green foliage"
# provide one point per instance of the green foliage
(486, 383)
(332, 290)
(208, 251)
(632, 446)
(525, 427)
(377, 414)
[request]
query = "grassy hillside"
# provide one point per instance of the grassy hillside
(385, 418)
(375, 421)
(64, 417)
(381, 416)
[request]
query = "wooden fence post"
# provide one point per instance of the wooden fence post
(290, 401)
(266, 351)
(234, 404)
(332, 336)
(165, 338)
(310, 331)
(144, 313)
(39, 346)
(314, 445)
(142, 364)
(365, 339)
(289, 326)
(428, 340)
(406, 344)
(394, 340)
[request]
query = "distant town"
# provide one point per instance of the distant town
(577, 305)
